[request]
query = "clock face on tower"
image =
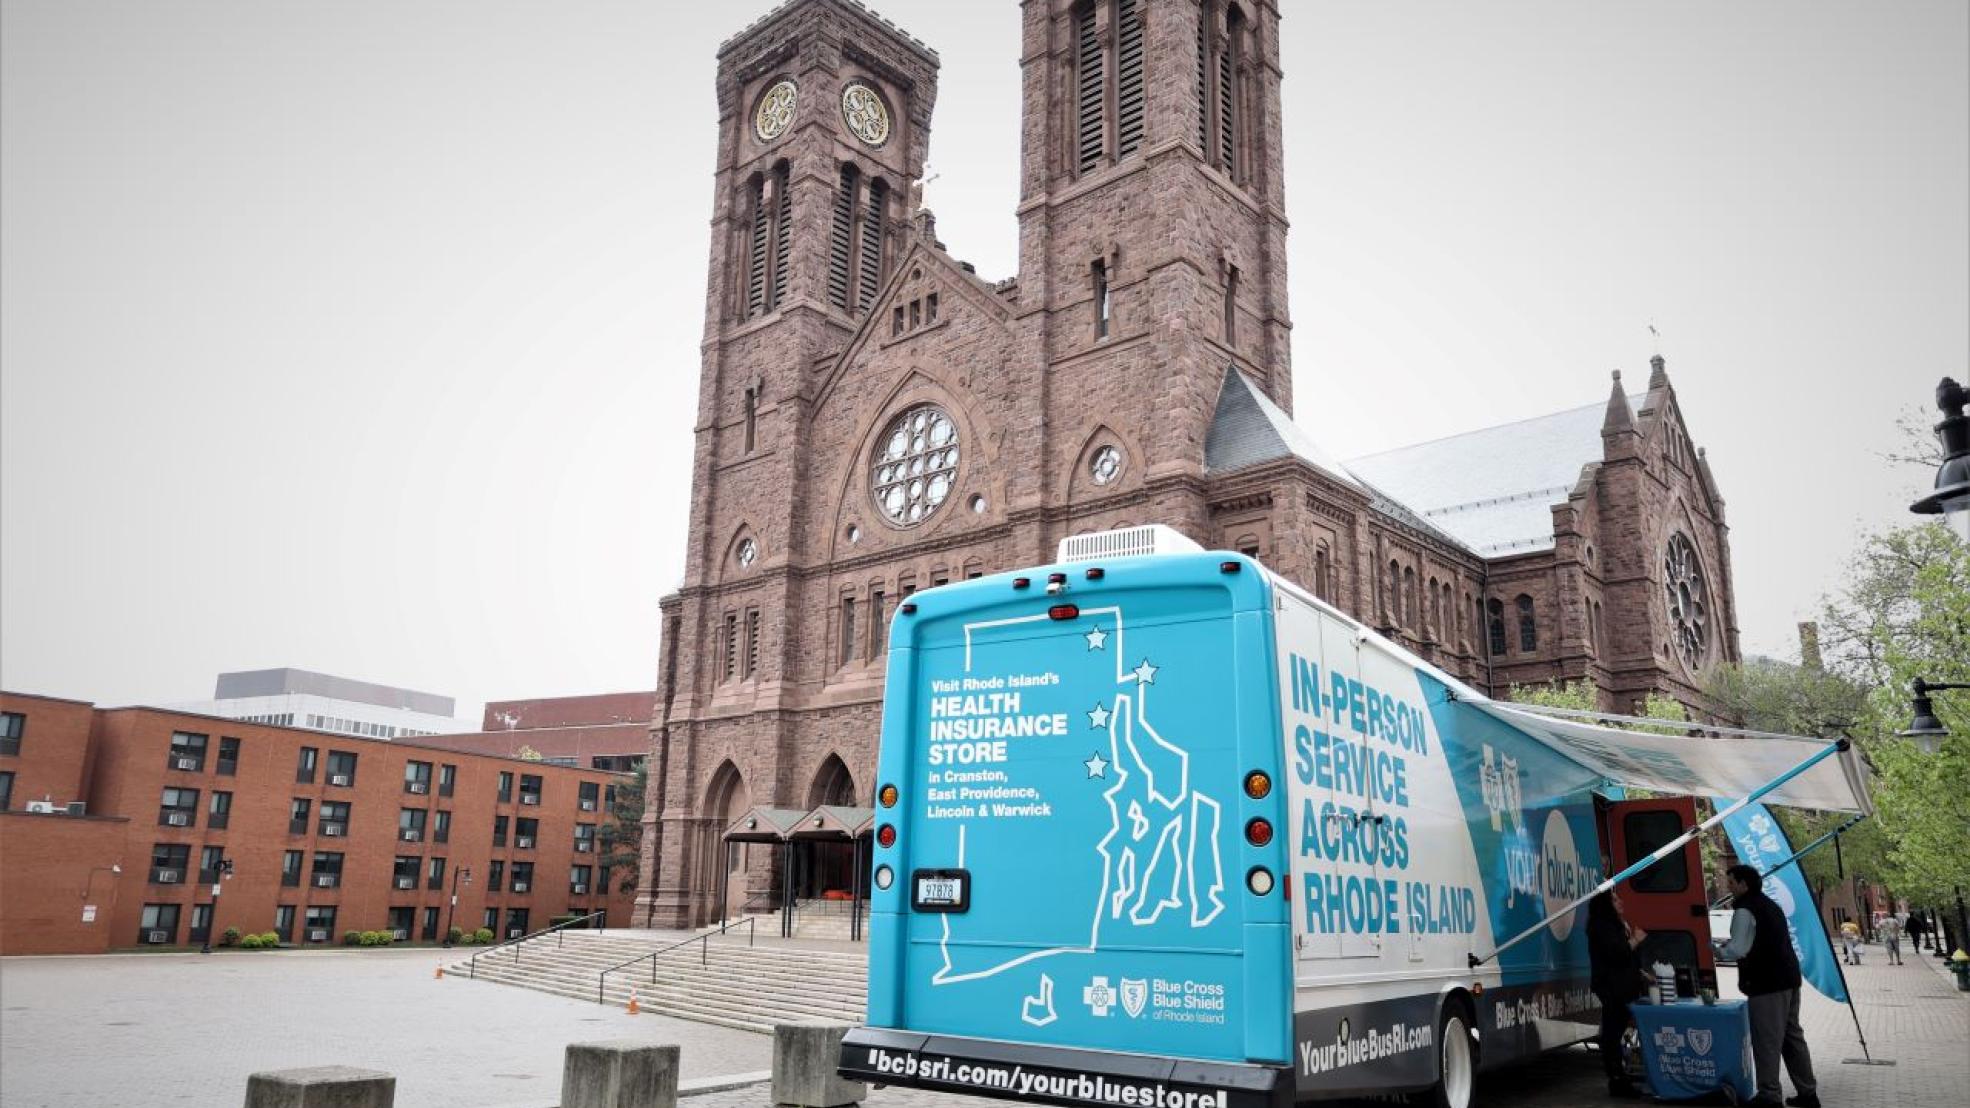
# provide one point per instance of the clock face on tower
(775, 112)
(863, 111)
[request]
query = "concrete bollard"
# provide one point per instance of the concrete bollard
(321, 1087)
(804, 1058)
(619, 1073)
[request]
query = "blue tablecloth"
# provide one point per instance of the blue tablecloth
(1694, 1049)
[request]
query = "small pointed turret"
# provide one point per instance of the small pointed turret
(1619, 416)
(1658, 372)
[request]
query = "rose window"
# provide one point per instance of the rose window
(748, 552)
(1689, 600)
(915, 465)
(1106, 465)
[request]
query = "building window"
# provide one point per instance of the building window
(404, 873)
(410, 825)
(526, 832)
(441, 826)
(500, 824)
(430, 931)
(168, 862)
(523, 877)
(334, 818)
(752, 419)
(1321, 586)
(496, 877)
(210, 858)
(6, 791)
(847, 631)
(915, 465)
(752, 643)
(290, 869)
(201, 925)
(320, 923)
(220, 811)
(179, 808)
(187, 752)
(1221, 113)
(417, 778)
(1412, 615)
(530, 788)
(284, 922)
(297, 815)
(327, 870)
(304, 771)
(505, 787)
(12, 725)
(447, 779)
(516, 922)
(731, 645)
(1528, 632)
(841, 242)
(588, 795)
(341, 769)
(434, 874)
(228, 757)
(771, 230)
(1098, 275)
(400, 922)
(579, 880)
(584, 838)
(159, 925)
(1096, 56)
(878, 623)
(1231, 305)
(1495, 624)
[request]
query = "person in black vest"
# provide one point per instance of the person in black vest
(1617, 980)
(1768, 972)
(1917, 927)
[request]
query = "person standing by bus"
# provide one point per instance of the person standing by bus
(1768, 973)
(1617, 981)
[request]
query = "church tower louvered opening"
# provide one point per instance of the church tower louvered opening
(1110, 93)
(1223, 42)
(856, 238)
(769, 235)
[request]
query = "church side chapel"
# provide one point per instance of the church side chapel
(876, 418)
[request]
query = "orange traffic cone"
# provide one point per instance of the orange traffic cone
(634, 1007)
(440, 975)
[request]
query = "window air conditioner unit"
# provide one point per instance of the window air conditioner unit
(188, 763)
(519, 886)
(406, 882)
(581, 890)
(167, 877)
(583, 846)
(78, 808)
(411, 835)
(530, 798)
(158, 937)
(514, 933)
(400, 936)
(524, 842)
(588, 805)
(339, 779)
(324, 880)
(317, 936)
(419, 787)
(178, 819)
(45, 807)
(332, 830)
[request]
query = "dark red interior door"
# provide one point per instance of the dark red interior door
(1667, 900)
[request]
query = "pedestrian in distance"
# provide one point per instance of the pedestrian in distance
(1768, 972)
(1618, 980)
(1850, 942)
(1916, 929)
(1890, 930)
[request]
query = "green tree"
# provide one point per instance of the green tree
(622, 835)
(1577, 696)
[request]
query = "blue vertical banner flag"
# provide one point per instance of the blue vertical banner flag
(1761, 843)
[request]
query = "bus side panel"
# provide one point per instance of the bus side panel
(886, 906)
(1532, 822)
(1267, 962)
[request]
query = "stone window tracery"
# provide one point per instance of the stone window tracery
(1688, 600)
(1106, 465)
(915, 465)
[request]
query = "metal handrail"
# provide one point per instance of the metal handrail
(704, 957)
(560, 941)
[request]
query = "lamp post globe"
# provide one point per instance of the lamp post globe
(1950, 498)
(1924, 727)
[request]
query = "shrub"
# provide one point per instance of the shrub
(270, 939)
(352, 938)
(230, 937)
(249, 942)
(482, 935)
(454, 936)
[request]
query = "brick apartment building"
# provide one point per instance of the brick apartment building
(874, 418)
(601, 731)
(327, 833)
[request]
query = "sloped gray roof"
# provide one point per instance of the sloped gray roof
(1248, 429)
(1494, 488)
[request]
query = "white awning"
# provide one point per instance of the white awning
(1715, 762)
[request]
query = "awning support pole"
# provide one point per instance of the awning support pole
(1663, 851)
(1814, 845)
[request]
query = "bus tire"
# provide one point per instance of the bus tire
(1457, 1056)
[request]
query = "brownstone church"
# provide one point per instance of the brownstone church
(875, 418)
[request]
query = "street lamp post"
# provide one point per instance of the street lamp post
(1951, 496)
(220, 873)
(463, 873)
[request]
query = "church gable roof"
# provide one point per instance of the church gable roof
(1494, 488)
(870, 328)
(1248, 428)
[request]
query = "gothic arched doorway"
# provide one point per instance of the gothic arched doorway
(725, 801)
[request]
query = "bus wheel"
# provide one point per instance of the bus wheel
(1456, 1058)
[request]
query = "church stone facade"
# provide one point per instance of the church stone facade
(874, 418)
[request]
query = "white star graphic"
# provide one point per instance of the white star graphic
(1097, 765)
(1098, 718)
(1145, 673)
(1097, 638)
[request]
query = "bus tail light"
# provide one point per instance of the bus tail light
(1064, 611)
(887, 796)
(885, 877)
(1257, 785)
(1258, 831)
(1259, 880)
(886, 835)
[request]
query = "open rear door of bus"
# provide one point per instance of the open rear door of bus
(1667, 900)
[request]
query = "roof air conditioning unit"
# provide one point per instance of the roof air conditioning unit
(175, 819)
(581, 890)
(324, 880)
(158, 937)
(1128, 542)
(339, 779)
(188, 763)
(317, 936)
(45, 807)
(419, 787)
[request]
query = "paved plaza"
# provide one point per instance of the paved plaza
(184, 1029)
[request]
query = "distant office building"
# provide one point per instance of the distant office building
(116, 823)
(322, 702)
(605, 731)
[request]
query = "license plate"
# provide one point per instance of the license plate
(941, 890)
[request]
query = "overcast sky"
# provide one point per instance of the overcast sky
(363, 337)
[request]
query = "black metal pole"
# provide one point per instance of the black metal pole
(211, 918)
(724, 882)
(855, 886)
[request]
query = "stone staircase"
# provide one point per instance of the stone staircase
(815, 919)
(729, 984)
